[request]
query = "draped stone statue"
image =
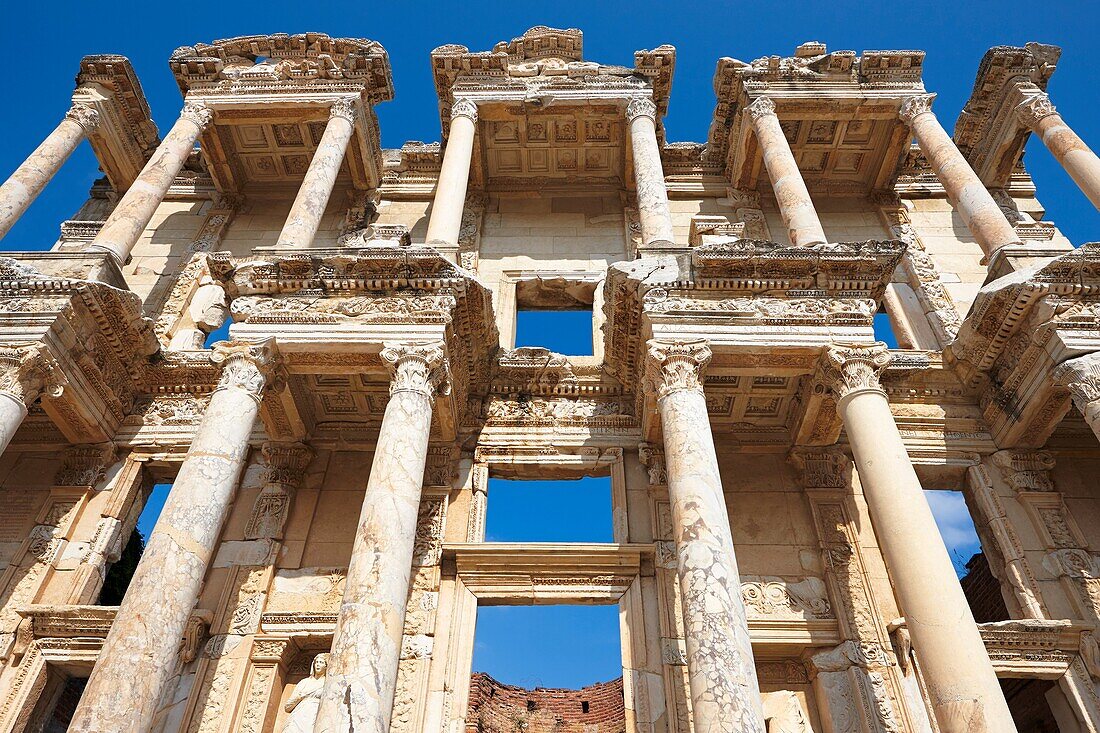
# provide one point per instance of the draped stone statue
(784, 714)
(306, 698)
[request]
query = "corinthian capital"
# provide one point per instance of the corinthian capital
(641, 107)
(248, 366)
(419, 368)
(84, 115)
(915, 106)
(26, 371)
(1034, 108)
(198, 113)
(848, 369)
(674, 366)
(464, 108)
(343, 108)
(1082, 377)
(762, 107)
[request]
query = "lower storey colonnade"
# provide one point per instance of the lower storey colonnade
(362, 675)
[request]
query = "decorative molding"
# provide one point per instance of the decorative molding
(84, 115)
(675, 366)
(848, 369)
(916, 106)
(1034, 108)
(419, 368)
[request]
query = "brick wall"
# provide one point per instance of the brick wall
(498, 708)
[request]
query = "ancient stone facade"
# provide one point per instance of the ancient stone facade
(321, 557)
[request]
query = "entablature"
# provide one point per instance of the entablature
(989, 131)
(1019, 328)
(271, 97)
(126, 135)
(838, 111)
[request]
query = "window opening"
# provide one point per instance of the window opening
(547, 669)
(122, 570)
(572, 510)
(566, 332)
(884, 329)
(956, 526)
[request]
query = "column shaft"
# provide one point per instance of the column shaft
(1071, 151)
(797, 209)
(725, 694)
(649, 174)
(982, 215)
(313, 195)
(454, 176)
(962, 686)
(28, 180)
(140, 652)
(366, 644)
(132, 214)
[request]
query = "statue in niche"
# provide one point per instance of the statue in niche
(306, 698)
(783, 713)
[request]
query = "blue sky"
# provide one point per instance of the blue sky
(579, 645)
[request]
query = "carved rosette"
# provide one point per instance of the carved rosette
(248, 366)
(345, 109)
(418, 368)
(762, 107)
(1082, 377)
(1034, 108)
(674, 366)
(84, 115)
(915, 106)
(464, 108)
(197, 113)
(641, 107)
(850, 369)
(26, 371)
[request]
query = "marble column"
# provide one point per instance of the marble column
(132, 214)
(140, 653)
(28, 180)
(313, 195)
(450, 191)
(26, 371)
(976, 206)
(798, 212)
(649, 174)
(725, 694)
(1080, 162)
(962, 686)
(1082, 377)
(366, 644)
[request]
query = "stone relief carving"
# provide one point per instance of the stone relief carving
(779, 598)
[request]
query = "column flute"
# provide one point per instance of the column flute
(28, 180)
(962, 686)
(139, 654)
(725, 694)
(366, 644)
(133, 213)
(973, 201)
(1040, 116)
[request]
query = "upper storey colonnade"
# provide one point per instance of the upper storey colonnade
(837, 121)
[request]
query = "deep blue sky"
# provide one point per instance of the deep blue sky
(580, 645)
(48, 44)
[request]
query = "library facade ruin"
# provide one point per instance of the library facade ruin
(321, 556)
